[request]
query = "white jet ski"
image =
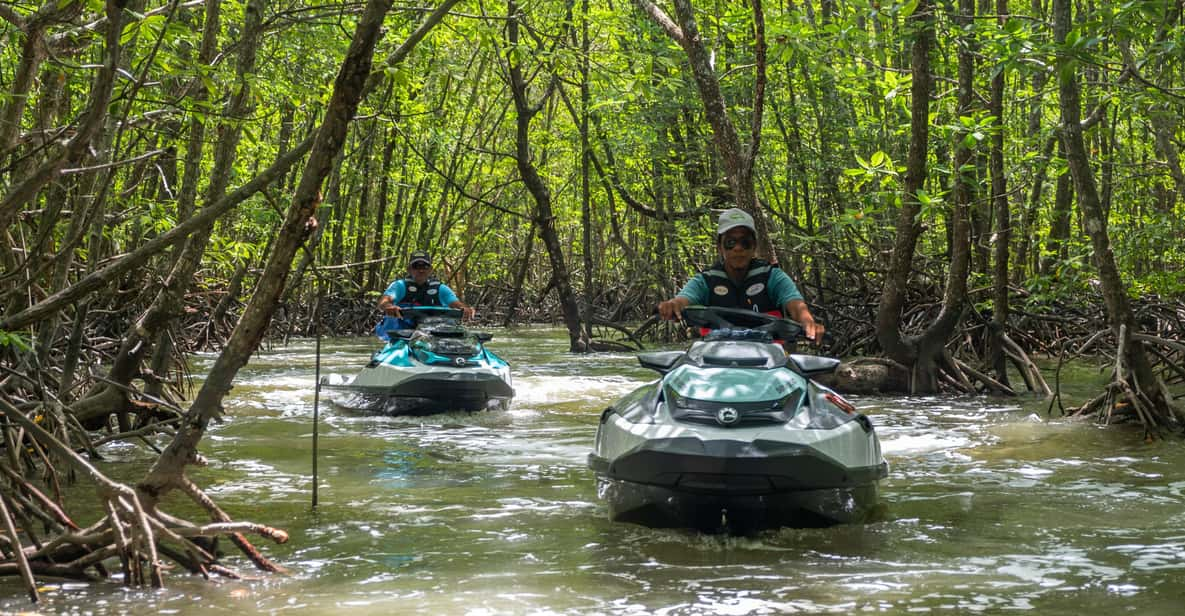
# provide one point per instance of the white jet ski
(435, 367)
(736, 436)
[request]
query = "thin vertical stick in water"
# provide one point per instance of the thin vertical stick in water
(316, 393)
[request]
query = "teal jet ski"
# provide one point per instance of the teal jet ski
(736, 436)
(435, 366)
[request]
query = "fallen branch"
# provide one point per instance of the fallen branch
(991, 383)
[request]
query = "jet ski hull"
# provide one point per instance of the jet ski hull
(661, 507)
(428, 393)
(739, 485)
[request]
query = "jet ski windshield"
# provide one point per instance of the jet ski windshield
(428, 317)
(452, 346)
(444, 343)
(739, 334)
(437, 324)
(737, 354)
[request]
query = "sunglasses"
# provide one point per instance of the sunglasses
(730, 242)
(420, 266)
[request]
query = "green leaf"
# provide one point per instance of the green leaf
(14, 340)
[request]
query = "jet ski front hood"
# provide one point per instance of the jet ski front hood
(733, 385)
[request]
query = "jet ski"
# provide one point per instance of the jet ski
(435, 366)
(735, 436)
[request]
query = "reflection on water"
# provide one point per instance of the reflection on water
(990, 508)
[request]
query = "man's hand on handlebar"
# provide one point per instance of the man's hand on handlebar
(670, 310)
(813, 330)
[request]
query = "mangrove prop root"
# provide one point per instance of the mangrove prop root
(21, 562)
(1125, 397)
(136, 534)
(236, 536)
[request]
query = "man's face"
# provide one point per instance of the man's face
(737, 247)
(420, 272)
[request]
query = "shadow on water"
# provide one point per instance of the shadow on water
(989, 507)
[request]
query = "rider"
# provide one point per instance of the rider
(419, 288)
(738, 280)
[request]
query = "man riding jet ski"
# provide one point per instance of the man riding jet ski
(740, 280)
(735, 435)
(436, 367)
(735, 432)
(420, 287)
(431, 363)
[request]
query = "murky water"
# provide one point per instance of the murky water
(991, 508)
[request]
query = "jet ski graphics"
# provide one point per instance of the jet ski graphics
(736, 436)
(438, 366)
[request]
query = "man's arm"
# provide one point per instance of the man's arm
(388, 303)
(782, 287)
(467, 311)
(449, 298)
(694, 292)
(797, 310)
(672, 308)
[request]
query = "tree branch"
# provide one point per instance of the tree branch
(661, 19)
(97, 279)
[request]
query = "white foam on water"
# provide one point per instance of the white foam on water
(536, 389)
(917, 444)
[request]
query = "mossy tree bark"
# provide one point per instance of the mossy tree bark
(1138, 383)
(925, 353)
(544, 217)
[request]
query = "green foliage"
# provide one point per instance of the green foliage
(1071, 277)
(878, 169)
(835, 133)
(14, 340)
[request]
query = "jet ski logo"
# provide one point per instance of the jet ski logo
(728, 416)
(459, 361)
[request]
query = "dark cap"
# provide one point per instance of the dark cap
(420, 256)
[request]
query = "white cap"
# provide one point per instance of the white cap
(735, 217)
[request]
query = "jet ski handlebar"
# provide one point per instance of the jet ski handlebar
(417, 313)
(444, 327)
(713, 317)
